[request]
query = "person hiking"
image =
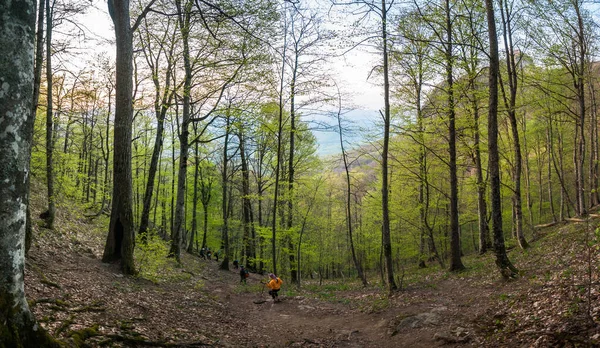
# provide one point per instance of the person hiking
(203, 253)
(217, 254)
(208, 253)
(236, 264)
(274, 284)
(243, 274)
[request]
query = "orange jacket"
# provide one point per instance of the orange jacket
(275, 284)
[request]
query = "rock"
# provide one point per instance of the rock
(439, 309)
(460, 335)
(419, 320)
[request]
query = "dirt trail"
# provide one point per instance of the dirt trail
(416, 318)
(209, 307)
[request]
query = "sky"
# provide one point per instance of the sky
(350, 72)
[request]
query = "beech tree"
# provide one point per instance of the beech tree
(18, 327)
(121, 240)
(506, 267)
(380, 10)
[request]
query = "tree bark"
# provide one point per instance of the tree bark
(183, 16)
(51, 213)
(506, 268)
(120, 240)
(455, 252)
(385, 228)
(37, 78)
(17, 24)
(194, 232)
(512, 72)
(224, 202)
(349, 220)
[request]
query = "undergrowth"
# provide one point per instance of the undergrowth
(151, 258)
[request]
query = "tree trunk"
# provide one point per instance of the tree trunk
(37, 78)
(455, 260)
(594, 158)
(385, 228)
(249, 244)
(158, 142)
(120, 240)
(506, 268)
(349, 220)
(580, 57)
(224, 203)
(511, 67)
(290, 218)
(183, 15)
(51, 213)
(194, 232)
(19, 327)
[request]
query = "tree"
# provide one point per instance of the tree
(507, 15)
(470, 37)
(349, 219)
(121, 240)
(37, 81)
(380, 10)
(564, 34)
(411, 72)
(165, 46)
(506, 268)
(18, 326)
(51, 212)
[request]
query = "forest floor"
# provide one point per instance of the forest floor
(84, 302)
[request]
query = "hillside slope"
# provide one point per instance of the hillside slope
(84, 302)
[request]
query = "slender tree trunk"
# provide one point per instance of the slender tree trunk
(580, 56)
(528, 177)
(349, 220)
(506, 268)
(206, 195)
(194, 232)
(290, 218)
(51, 213)
(550, 161)
(385, 191)
(278, 157)
(511, 67)
(594, 158)
(484, 229)
(158, 143)
(249, 253)
(455, 260)
(37, 81)
(183, 15)
(225, 188)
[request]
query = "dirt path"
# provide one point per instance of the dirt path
(415, 318)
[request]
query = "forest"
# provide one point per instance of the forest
(197, 130)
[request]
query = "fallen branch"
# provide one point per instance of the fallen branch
(576, 220)
(546, 225)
